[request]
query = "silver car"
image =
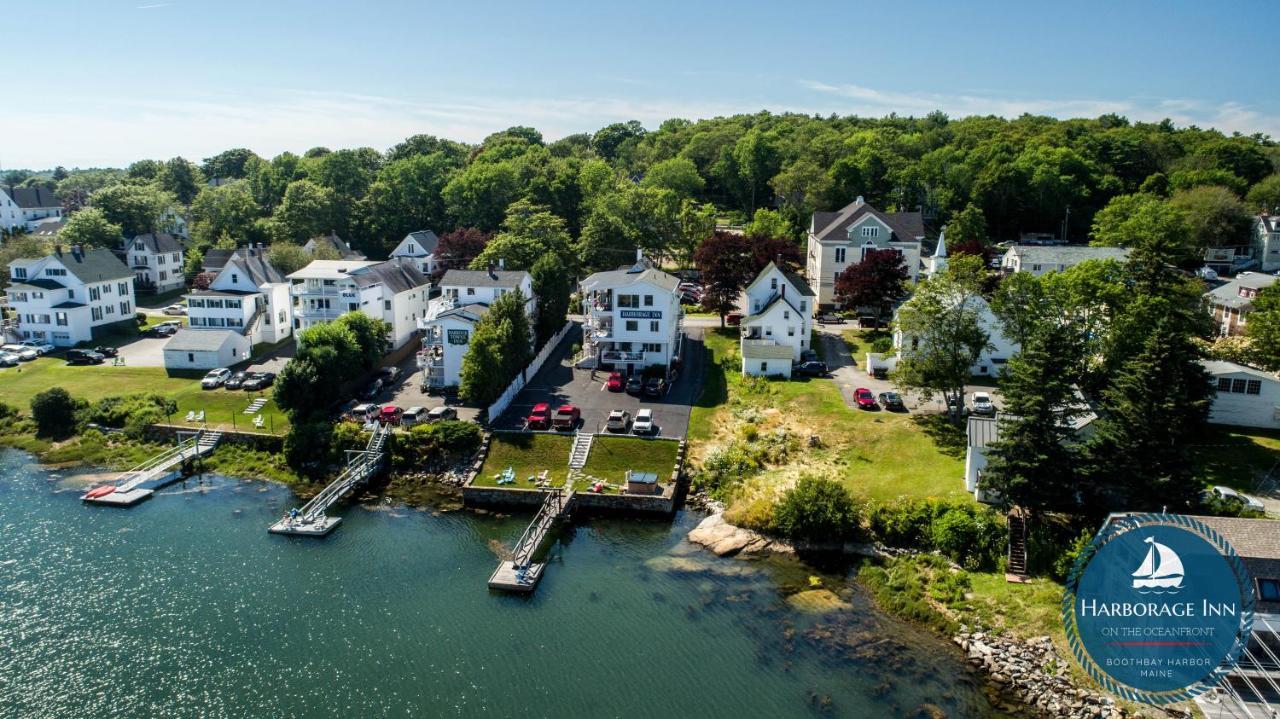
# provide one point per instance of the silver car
(619, 420)
(643, 423)
(8, 359)
(1230, 495)
(26, 354)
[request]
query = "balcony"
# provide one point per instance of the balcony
(318, 313)
(621, 356)
(305, 290)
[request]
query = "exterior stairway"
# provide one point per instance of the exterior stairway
(1017, 569)
(581, 449)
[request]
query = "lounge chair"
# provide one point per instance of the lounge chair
(200, 416)
(191, 416)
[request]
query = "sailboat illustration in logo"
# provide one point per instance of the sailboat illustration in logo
(1162, 569)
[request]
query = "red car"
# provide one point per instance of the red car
(864, 398)
(390, 414)
(566, 417)
(616, 382)
(733, 319)
(539, 417)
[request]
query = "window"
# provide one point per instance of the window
(71, 294)
(123, 288)
(1254, 387)
(96, 313)
(235, 279)
(653, 326)
(163, 275)
(791, 331)
(471, 291)
(1268, 589)
(633, 326)
(786, 314)
(175, 258)
(871, 232)
(191, 357)
(109, 310)
(160, 260)
(1237, 386)
(764, 366)
(768, 331)
(773, 284)
(125, 308)
(652, 347)
(802, 306)
(55, 272)
(94, 294)
(19, 273)
(386, 305)
(840, 254)
(106, 289)
(59, 318)
(1224, 384)
(648, 300)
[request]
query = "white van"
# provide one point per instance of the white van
(412, 416)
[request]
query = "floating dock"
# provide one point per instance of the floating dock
(161, 470)
(311, 520)
(521, 574)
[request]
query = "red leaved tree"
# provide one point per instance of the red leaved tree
(727, 264)
(878, 281)
(458, 248)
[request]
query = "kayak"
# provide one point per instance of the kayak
(102, 491)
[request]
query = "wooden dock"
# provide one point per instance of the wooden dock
(311, 520)
(521, 573)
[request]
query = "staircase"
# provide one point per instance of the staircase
(581, 448)
(208, 440)
(1017, 569)
(252, 325)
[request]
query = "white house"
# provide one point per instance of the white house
(465, 296)
(157, 260)
(1039, 259)
(1266, 241)
(840, 239)
(394, 291)
(1231, 303)
(983, 432)
(10, 214)
(248, 303)
(332, 242)
(420, 247)
(780, 304)
(1246, 397)
(991, 360)
(70, 297)
(35, 203)
(633, 318)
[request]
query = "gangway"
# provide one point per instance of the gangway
(159, 470)
(521, 573)
(311, 520)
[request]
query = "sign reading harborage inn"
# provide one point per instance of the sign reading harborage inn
(1158, 607)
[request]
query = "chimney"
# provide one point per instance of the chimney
(492, 274)
(859, 201)
(783, 289)
(502, 263)
(778, 260)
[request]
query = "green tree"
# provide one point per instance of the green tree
(1033, 463)
(677, 174)
(1264, 328)
(727, 266)
(54, 412)
(135, 208)
(1214, 216)
(769, 224)
(528, 232)
(817, 510)
(230, 164)
(756, 159)
(287, 257)
(370, 337)
(697, 223)
(1188, 179)
(1023, 306)
(552, 285)
(20, 247)
(180, 178)
(498, 352)
(227, 209)
(406, 197)
(1265, 196)
(1146, 223)
(91, 228)
(968, 226)
(479, 195)
(307, 210)
(614, 141)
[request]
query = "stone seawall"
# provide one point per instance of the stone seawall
(583, 501)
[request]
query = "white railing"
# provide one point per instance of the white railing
(504, 400)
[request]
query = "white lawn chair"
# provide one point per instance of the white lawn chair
(200, 416)
(259, 421)
(191, 416)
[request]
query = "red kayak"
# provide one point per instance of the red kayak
(102, 491)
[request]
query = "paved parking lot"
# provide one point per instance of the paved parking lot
(558, 383)
(407, 392)
(145, 352)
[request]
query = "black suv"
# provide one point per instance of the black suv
(84, 357)
(812, 369)
(258, 381)
(236, 381)
(655, 387)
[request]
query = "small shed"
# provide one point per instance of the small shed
(205, 349)
(642, 482)
(766, 358)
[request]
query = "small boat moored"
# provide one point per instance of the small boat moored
(102, 491)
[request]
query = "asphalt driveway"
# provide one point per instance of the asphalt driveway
(559, 383)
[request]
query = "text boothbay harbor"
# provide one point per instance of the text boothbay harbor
(1160, 608)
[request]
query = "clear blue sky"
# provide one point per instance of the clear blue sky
(104, 82)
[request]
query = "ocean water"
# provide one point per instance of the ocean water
(185, 607)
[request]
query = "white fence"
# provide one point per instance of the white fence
(500, 405)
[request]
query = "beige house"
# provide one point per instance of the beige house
(840, 239)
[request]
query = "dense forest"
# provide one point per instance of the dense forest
(623, 187)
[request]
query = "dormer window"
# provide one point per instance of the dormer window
(19, 273)
(871, 231)
(1248, 292)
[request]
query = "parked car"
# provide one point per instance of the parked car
(566, 418)
(615, 382)
(236, 381)
(389, 374)
(371, 392)
(26, 354)
(830, 318)
(539, 417)
(364, 412)
(655, 387)
(733, 319)
(619, 420)
(412, 416)
(439, 414)
(216, 378)
(43, 348)
(808, 356)
(390, 414)
(84, 357)
(982, 404)
(171, 326)
(9, 359)
(106, 351)
(1227, 494)
(892, 400)
(863, 397)
(643, 423)
(159, 331)
(635, 385)
(259, 381)
(811, 369)
(174, 310)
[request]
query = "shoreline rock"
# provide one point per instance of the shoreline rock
(726, 540)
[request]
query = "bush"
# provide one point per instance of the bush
(7, 413)
(308, 444)
(1067, 560)
(969, 535)
(434, 446)
(54, 412)
(133, 412)
(817, 510)
(882, 345)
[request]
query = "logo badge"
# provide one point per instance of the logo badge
(1158, 607)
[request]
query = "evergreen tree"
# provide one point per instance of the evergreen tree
(499, 350)
(1264, 327)
(552, 286)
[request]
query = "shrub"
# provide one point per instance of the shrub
(431, 446)
(54, 412)
(7, 413)
(1067, 560)
(724, 467)
(308, 444)
(133, 412)
(971, 536)
(882, 345)
(817, 509)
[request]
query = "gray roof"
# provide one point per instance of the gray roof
(1220, 367)
(427, 240)
(774, 299)
(483, 278)
(470, 313)
(51, 228)
(255, 264)
(634, 275)
(30, 198)
(398, 274)
(332, 240)
(158, 242)
(1228, 295)
(1068, 255)
(766, 349)
(797, 281)
(95, 265)
(982, 431)
(215, 259)
(68, 305)
(906, 226)
(189, 340)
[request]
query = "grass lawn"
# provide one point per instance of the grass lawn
(859, 343)
(1239, 457)
(878, 455)
(611, 457)
(223, 408)
(528, 454)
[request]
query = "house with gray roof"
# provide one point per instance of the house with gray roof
(34, 204)
(1246, 396)
(1040, 259)
(633, 318)
(1266, 240)
(420, 247)
(394, 291)
(73, 295)
(333, 243)
(780, 306)
(1231, 302)
(158, 260)
(840, 239)
(465, 296)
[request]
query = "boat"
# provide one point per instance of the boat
(1162, 568)
(102, 491)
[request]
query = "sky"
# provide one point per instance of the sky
(105, 82)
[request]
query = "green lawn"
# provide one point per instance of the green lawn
(611, 457)
(528, 454)
(1239, 457)
(878, 455)
(859, 343)
(223, 408)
